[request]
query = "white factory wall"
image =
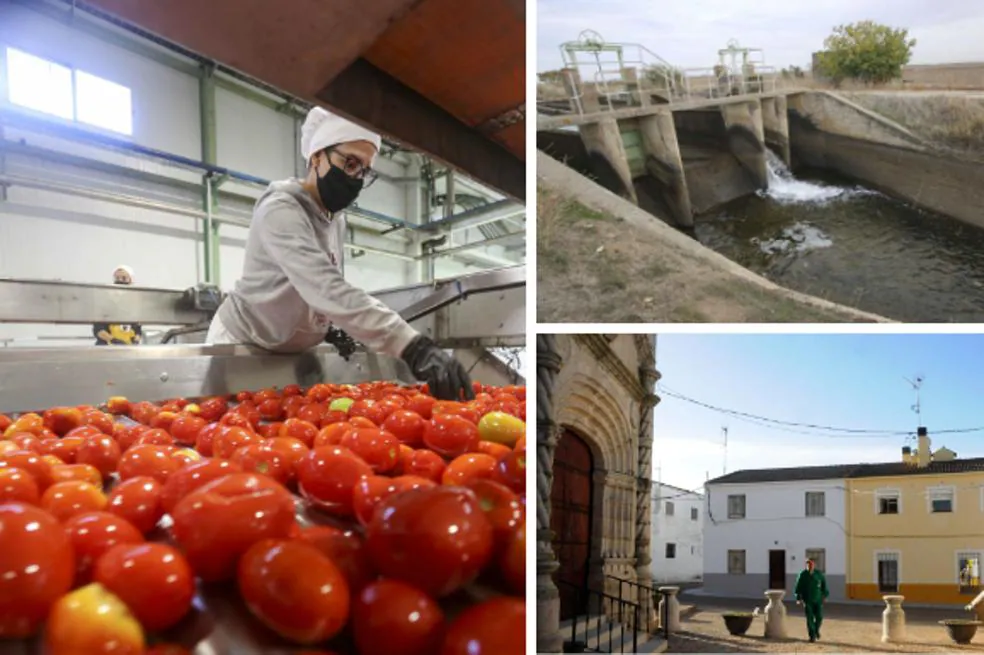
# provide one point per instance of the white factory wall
(775, 519)
(57, 236)
(683, 530)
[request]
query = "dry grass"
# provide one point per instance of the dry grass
(953, 121)
(594, 267)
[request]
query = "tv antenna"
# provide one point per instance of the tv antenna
(724, 431)
(917, 387)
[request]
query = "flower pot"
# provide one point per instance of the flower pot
(738, 623)
(961, 630)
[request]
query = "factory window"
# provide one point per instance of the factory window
(736, 506)
(736, 562)
(38, 84)
(669, 508)
(888, 572)
(44, 86)
(693, 513)
(102, 103)
(941, 500)
(969, 572)
(670, 551)
(815, 505)
(888, 502)
(819, 557)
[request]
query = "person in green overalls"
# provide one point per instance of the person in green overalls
(811, 591)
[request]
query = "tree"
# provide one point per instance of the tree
(865, 51)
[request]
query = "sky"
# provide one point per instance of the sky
(844, 381)
(689, 34)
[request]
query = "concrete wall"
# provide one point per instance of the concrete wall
(774, 520)
(927, 543)
(826, 133)
(679, 529)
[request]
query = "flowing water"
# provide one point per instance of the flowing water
(824, 236)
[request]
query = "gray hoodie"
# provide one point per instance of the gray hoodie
(292, 287)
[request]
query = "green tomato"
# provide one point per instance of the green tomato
(340, 405)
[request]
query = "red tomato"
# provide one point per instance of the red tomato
(496, 450)
(333, 416)
(212, 409)
(64, 500)
(452, 408)
(331, 435)
(361, 422)
(292, 449)
(138, 500)
(185, 428)
(129, 436)
(346, 548)
(465, 468)
(371, 491)
(64, 449)
(163, 420)
(512, 562)
(29, 422)
(102, 453)
(37, 566)
(521, 445)
(154, 437)
(236, 419)
(292, 390)
(269, 430)
(406, 426)
(294, 590)
(79, 472)
(92, 534)
(271, 409)
(312, 413)
(502, 507)
(378, 448)
(301, 430)
(215, 524)
(442, 526)
(494, 627)
(193, 476)
(5, 422)
(369, 409)
(154, 580)
(26, 441)
(421, 404)
(206, 438)
(425, 464)
(99, 420)
(450, 435)
(231, 439)
(390, 616)
(62, 420)
(143, 412)
(17, 485)
(243, 396)
(153, 461)
(326, 476)
(257, 458)
(511, 471)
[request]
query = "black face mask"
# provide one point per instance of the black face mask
(338, 190)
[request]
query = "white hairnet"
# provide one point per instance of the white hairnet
(323, 129)
(126, 269)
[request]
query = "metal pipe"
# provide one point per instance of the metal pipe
(472, 246)
(210, 264)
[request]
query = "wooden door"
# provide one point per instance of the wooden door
(570, 521)
(777, 569)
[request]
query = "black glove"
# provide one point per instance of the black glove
(446, 378)
(345, 344)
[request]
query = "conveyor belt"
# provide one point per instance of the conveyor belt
(482, 309)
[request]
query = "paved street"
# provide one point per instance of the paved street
(846, 628)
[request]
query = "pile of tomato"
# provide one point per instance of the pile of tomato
(344, 518)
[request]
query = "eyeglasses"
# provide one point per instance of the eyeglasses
(354, 168)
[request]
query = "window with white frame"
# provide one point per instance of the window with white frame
(736, 562)
(44, 86)
(819, 557)
(888, 572)
(815, 503)
(736, 506)
(969, 572)
(941, 499)
(888, 502)
(669, 508)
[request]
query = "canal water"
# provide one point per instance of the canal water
(823, 235)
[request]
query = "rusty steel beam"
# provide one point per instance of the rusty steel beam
(363, 92)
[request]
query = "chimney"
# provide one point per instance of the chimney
(906, 455)
(924, 456)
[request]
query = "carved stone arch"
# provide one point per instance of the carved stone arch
(585, 405)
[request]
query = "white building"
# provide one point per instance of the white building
(761, 525)
(677, 528)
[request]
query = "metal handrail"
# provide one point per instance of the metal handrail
(626, 609)
(651, 591)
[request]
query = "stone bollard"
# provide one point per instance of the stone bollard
(893, 620)
(669, 608)
(775, 615)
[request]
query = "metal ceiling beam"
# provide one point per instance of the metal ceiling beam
(367, 94)
(495, 211)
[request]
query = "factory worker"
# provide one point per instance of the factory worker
(112, 334)
(292, 291)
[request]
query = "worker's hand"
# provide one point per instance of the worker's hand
(344, 344)
(446, 378)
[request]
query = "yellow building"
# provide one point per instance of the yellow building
(916, 527)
